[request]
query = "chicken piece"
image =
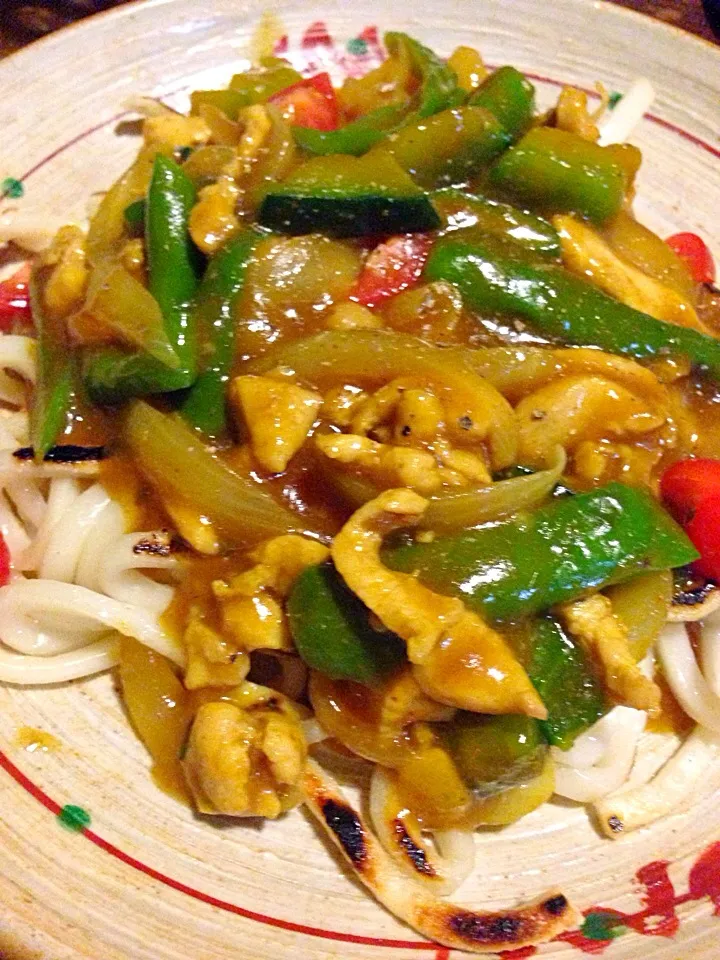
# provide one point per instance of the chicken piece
(469, 466)
(341, 404)
(213, 219)
(192, 526)
(256, 622)
(402, 604)
(353, 316)
(419, 417)
(417, 469)
(278, 414)
(473, 668)
(572, 114)
(600, 462)
(403, 702)
(278, 563)
(455, 650)
(171, 130)
(379, 407)
(246, 756)
(587, 254)
(212, 661)
(579, 408)
(595, 625)
(65, 289)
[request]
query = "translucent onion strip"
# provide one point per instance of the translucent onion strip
(622, 121)
(673, 786)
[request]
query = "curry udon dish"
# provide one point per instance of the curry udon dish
(366, 421)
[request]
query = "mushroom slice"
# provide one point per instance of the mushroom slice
(446, 923)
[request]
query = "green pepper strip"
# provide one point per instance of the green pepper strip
(559, 171)
(510, 97)
(214, 319)
(55, 377)
(440, 88)
(246, 89)
(564, 307)
(354, 138)
(462, 211)
(521, 566)
(566, 682)
(332, 631)
(113, 374)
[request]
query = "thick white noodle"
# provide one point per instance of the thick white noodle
(601, 758)
(450, 856)
(685, 678)
(72, 665)
(672, 788)
(621, 122)
(46, 617)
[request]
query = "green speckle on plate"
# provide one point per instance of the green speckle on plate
(12, 188)
(602, 926)
(614, 99)
(357, 46)
(74, 818)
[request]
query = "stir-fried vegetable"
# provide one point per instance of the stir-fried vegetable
(560, 305)
(522, 566)
(691, 488)
(332, 631)
(510, 97)
(174, 459)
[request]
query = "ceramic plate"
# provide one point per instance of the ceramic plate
(143, 877)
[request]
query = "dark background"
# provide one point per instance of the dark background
(24, 20)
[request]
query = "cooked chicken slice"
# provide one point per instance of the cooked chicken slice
(404, 606)
(212, 660)
(246, 756)
(67, 282)
(462, 661)
(579, 408)
(586, 253)
(595, 625)
(278, 415)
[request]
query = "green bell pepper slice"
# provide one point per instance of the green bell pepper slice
(56, 372)
(560, 172)
(246, 89)
(332, 631)
(113, 374)
(494, 753)
(519, 567)
(563, 307)
(509, 96)
(440, 88)
(214, 319)
(563, 676)
(353, 138)
(447, 148)
(471, 215)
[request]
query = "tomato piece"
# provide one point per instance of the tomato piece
(687, 483)
(310, 103)
(15, 300)
(391, 267)
(704, 531)
(691, 490)
(695, 253)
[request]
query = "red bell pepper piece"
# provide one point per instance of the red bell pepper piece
(693, 250)
(391, 267)
(15, 300)
(691, 490)
(310, 103)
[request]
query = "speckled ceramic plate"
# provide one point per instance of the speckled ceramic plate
(143, 877)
